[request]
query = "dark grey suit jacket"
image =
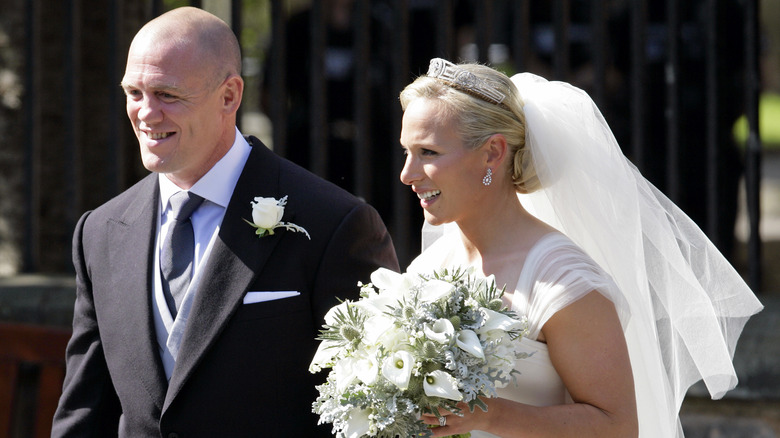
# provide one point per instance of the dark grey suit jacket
(241, 369)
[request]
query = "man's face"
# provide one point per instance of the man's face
(174, 102)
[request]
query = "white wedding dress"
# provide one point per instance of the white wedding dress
(555, 274)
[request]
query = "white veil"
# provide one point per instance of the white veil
(687, 304)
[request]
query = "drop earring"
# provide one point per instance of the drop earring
(488, 179)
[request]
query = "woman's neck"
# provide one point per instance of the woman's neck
(498, 242)
(495, 230)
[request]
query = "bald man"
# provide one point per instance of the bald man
(228, 356)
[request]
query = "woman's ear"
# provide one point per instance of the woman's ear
(496, 151)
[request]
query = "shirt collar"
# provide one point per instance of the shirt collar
(218, 183)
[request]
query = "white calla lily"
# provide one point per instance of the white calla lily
(378, 303)
(434, 290)
(498, 321)
(468, 341)
(397, 368)
(441, 331)
(374, 327)
(358, 423)
(345, 372)
(367, 370)
(330, 317)
(384, 278)
(323, 358)
(440, 384)
(397, 285)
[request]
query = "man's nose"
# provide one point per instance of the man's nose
(149, 110)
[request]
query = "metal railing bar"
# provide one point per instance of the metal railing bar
(445, 34)
(521, 34)
(753, 150)
(319, 100)
(562, 21)
(483, 26)
(278, 90)
(637, 96)
(672, 107)
(31, 251)
(71, 137)
(598, 45)
(115, 163)
(400, 225)
(711, 112)
(361, 150)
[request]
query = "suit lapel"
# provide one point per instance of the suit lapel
(236, 257)
(135, 254)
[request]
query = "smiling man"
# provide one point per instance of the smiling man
(185, 322)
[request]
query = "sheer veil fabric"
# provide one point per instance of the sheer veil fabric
(685, 304)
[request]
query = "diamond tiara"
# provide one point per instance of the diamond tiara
(463, 80)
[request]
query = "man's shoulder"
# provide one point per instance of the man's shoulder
(136, 195)
(304, 184)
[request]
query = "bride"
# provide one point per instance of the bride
(628, 302)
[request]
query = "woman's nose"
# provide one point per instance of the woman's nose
(409, 174)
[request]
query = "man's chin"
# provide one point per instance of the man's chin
(154, 163)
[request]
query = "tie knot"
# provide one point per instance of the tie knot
(183, 203)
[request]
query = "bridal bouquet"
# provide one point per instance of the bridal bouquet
(412, 344)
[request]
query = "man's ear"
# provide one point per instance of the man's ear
(232, 93)
(495, 150)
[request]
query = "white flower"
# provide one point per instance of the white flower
(378, 303)
(358, 423)
(375, 327)
(397, 368)
(267, 212)
(367, 369)
(433, 290)
(468, 341)
(324, 355)
(394, 339)
(498, 321)
(440, 384)
(345, 372)
(441, 331)
(267, 216)
(392, 283)
(384, 278)
(341, 308)
(393, 353)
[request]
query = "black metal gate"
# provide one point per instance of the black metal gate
(670, 77)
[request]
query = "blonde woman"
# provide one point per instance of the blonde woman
(628, 302)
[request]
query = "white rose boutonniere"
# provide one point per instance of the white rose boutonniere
(267, 216)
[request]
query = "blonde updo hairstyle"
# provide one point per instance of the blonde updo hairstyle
(478, 119)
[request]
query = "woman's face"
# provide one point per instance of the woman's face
(441, 171)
